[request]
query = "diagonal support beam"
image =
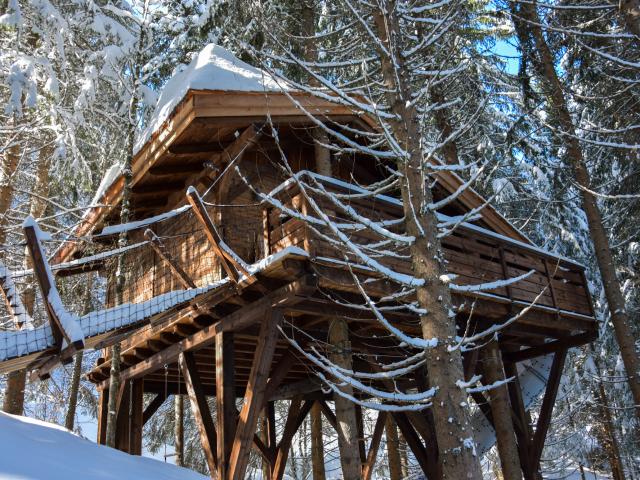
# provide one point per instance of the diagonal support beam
(296, 415)
(372, 454)
(42, 272)
(228, 261)
(153, 407)
(200, 408)
(414, 443)
(546, 411)
(255, 394)
(160, 249)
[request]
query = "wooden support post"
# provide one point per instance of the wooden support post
(524, 434)
(393, 449)
(164, 254)
(255, 394)
(546, 411)
(123, 417)
(362, 448)
(367, 469)
(329, 415)
(45, 282)
(225, 399)
(295, 417)
(501, 413)
(317, 446)
(229, 263)
(200, 408)
(414, 443)
(136, 420)
(103, 410)
(345, 409)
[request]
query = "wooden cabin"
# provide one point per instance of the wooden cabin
(223, 342)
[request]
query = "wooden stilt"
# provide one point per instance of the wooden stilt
(523, 434)
(501, 413)
(345, 409)
(296, 415)
(123, 417)
(414, 443)
(225, 400)
(546, 411)
(255, 394)
(136, 421)
(317, 446)
(362, 448)
(103, 410)
(200, 408)
(367, 469)
(393, 449)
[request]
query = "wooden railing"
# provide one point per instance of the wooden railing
(474, 254)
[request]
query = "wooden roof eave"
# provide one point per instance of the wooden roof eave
(226, 104)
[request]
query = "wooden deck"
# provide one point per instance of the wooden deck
(315, 287)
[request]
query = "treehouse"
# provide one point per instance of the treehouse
(226, 263)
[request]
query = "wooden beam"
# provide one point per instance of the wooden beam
(329, 415)
(164, 254)
(153, 407)
(503, 425)
(123, 431)
(245, 140)
(255, 394)
(225, 399)
(551, 347)
(546, 411)
(103, 411)
(289, 294)
(41, 272)
(414, 443)
(176, 169)
(200, 408)
(295, 417)
(136, 420)
(228, 262)
(523, 434)
(367, 469)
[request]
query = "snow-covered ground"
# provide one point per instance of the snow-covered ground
(35, 450)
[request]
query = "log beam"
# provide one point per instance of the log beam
(255, 395)
(372, 454)
(200, 408)
(225, 399)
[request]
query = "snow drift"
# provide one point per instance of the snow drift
(36, 450)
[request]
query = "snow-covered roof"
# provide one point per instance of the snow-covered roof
(213, 68)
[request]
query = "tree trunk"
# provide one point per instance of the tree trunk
(610, 441)
(72, 403)
(77, 365)
(630, 11)
(345, 409)
(543, 61)
(14, 395)
(16, 381)
(501, 413)
(317, 447)
(451, 419)
(178, 408)
(125, 213)
(393, 449)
